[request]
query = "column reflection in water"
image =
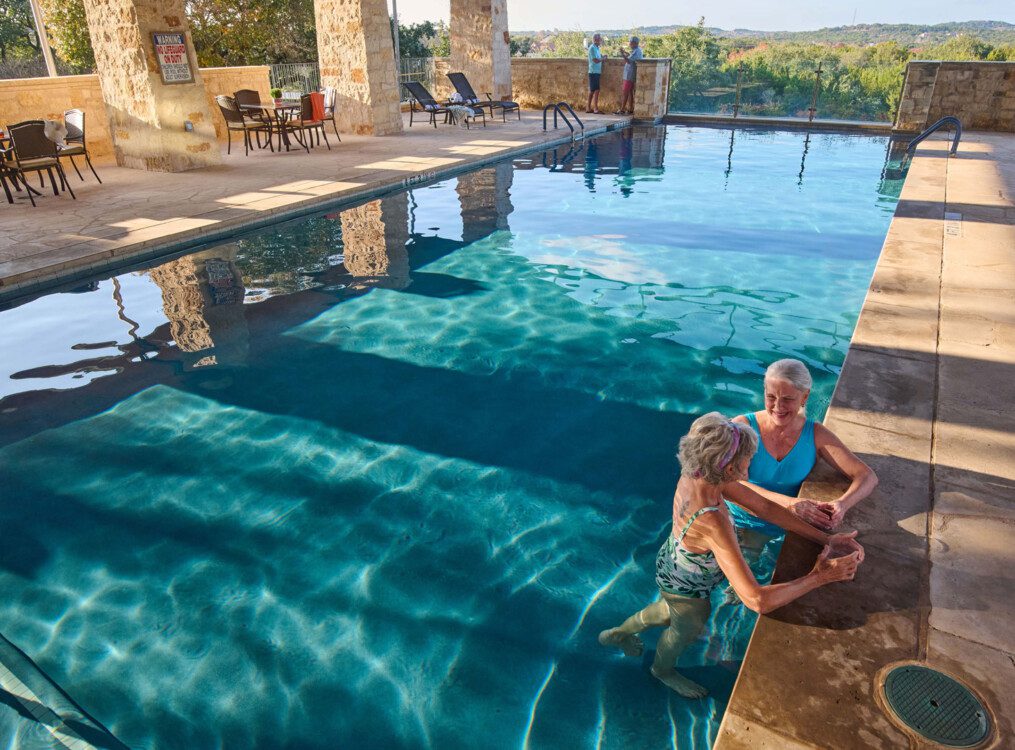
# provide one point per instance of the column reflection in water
(374, 236)
(485, 198)
(202, 296)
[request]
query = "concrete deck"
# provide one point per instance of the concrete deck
(926, 397)
(136, 215)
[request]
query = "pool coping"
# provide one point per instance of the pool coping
(918, 359)
(780, 123)
(64, 273)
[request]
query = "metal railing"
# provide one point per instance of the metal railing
(943, 122)
(306, 77)
(559, 108)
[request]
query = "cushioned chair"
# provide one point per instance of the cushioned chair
(465, 90)
(428, 105)
(74, 142)
(34, 152)
(235, 120)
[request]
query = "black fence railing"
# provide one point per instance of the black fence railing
(302, 78)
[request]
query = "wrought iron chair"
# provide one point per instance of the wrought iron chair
(74, 142)
(235, 120)
(34, 152)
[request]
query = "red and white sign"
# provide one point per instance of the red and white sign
(171, 52)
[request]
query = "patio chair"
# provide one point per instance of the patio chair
(235, 120)
(465, 90)
(428, 105)
(74, 142)
(311, 121)
(252, 97)
(330, 100)
(34, 152)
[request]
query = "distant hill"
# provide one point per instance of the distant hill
(910, 35)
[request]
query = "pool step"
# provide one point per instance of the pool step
(44, 702)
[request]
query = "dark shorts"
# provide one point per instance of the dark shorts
(594, 81)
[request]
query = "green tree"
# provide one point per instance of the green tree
(697, 60)
(426, 39)
(521, 45)
(566, 44)
(252, 32)
(17, 31)
(68, 32)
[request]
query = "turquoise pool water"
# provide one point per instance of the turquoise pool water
(377, 478)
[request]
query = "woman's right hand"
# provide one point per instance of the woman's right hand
(830, 569)
(814, 513)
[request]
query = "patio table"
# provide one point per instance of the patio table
(280, 114)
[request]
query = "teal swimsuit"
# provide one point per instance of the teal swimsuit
(784, 477)
(684, 573)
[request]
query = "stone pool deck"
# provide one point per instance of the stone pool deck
(137, 215)
(927, 398)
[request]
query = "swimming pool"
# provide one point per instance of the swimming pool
(378, 477)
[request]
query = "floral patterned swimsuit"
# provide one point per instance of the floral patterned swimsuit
(684, 573)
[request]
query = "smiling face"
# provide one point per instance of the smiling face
(783, 402)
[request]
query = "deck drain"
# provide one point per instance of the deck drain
(936, 706)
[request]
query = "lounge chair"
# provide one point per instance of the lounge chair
(465, 90)
(428, 105)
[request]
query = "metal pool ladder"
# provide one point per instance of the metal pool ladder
(559, 108)
(911, 148)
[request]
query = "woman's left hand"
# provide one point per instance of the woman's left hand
(836, 513)
(845, 544)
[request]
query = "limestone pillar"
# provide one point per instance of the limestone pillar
(485, 198)
(481, 46)
(357, 59)
(146, 116)
(374, 237)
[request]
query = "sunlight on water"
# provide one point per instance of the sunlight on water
(377, 478)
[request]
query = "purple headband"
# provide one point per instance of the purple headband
(733, 448)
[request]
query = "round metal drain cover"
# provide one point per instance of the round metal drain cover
(936, 706)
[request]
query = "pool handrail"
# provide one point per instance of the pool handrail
(944, 121)
(567, 121)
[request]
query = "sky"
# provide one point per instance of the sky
(760, 15)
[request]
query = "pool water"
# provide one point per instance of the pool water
(377, 478)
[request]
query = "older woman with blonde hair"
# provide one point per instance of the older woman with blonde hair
(702, 550)
(790, 443)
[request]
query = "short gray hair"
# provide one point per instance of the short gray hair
(635, 39)
(709, 441)
(791, 371)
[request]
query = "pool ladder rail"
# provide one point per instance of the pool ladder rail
(943, 122)
(559, 108)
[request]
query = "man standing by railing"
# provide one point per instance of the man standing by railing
(630, 77)
(595, 70)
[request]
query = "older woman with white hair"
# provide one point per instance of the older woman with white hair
(790, 445)
(702, 550)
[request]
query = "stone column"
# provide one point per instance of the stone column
(481, 46)
(146, 116)
(374, 238)
(485, 198)
(357, 59)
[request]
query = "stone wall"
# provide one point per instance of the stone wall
(357, 59)
(148, 118)
(480, 45)
(537, 81)
(980, 94)
(48, 98)
(228, 80)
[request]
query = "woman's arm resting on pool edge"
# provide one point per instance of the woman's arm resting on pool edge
(764, 599)
(863, 480)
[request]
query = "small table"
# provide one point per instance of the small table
(279, 113)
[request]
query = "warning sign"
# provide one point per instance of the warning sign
(171, 52)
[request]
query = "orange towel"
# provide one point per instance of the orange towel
(317, 104)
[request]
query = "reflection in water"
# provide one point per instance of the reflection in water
(374, 238)
(485, 197)
(803, 158)
(433, 546)
(202, 296)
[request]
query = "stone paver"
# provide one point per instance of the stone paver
(926, 398)
(136, 214)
